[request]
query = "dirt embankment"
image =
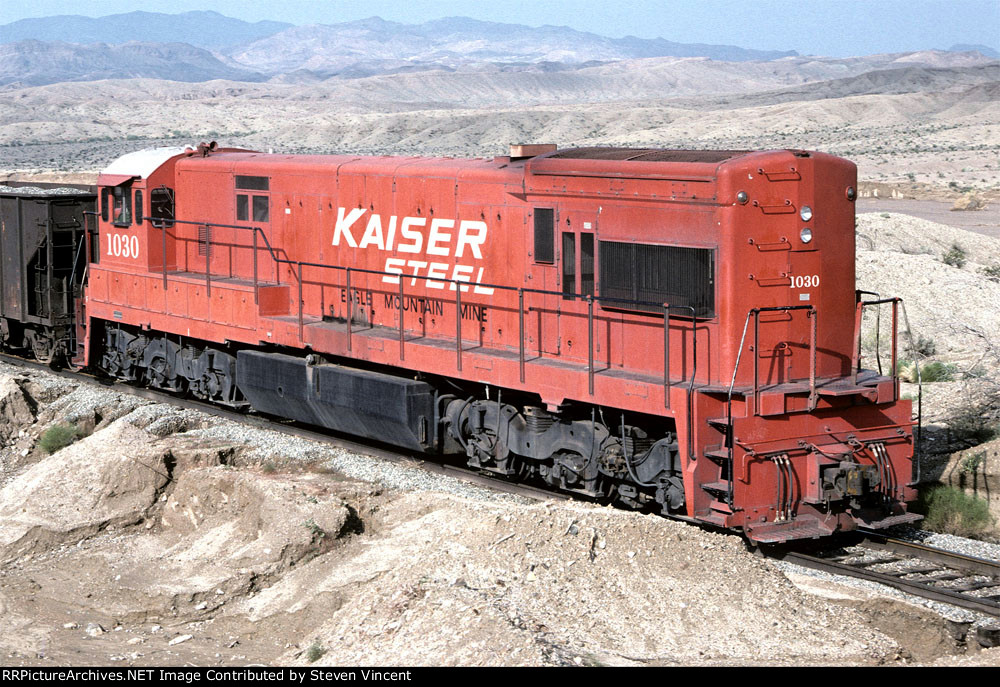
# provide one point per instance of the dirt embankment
(155, 541)
(976, 471)
(949, 279)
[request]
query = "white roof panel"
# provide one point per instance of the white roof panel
(142, 163)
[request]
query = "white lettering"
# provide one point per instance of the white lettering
(416, 265)
(121, 246)
(485, 290)
(437, 236)
(344, 226)
(373, 234)
(461, 273)
(467, 241)
(392, 232)
(394, 265)
(465, 237)
(438, 270)
(415, 236)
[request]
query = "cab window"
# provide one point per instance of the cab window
(121, 213)
(161, 202)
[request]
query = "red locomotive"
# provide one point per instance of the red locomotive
(660, 328)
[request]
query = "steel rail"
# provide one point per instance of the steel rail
(972, 564)
(921, 589)
(289, 428)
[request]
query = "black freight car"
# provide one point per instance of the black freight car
(43, 259)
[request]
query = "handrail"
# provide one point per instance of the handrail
(859, 316)
(457, 284)
(755, 313)
(267, 245)
(856, 364)
(918, 448)
(897, 303)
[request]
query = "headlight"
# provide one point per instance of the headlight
(806, 235)
(806, 213)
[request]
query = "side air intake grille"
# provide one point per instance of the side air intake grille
(658, 274)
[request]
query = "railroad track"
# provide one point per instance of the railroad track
(936, 574)
(912, 567)
(290, 428)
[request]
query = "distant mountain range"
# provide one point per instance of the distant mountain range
(984, 50)
(209, 30)
(36, 63)
(458, 41)
(202, 46)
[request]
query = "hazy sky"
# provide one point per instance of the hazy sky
(821, 27)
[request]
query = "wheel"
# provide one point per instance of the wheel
(42, 348)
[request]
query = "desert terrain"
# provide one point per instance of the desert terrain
(927, 122)
(165, 536)
(170, 537)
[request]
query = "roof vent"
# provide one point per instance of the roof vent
(523, 150)
(204, 149)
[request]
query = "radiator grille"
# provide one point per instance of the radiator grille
(657, 274)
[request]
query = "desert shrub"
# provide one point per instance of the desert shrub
(315, 530)
(992, 272)
(315, 652)
(950, 510)
(924, 346)
(58, 437)
(955, 256)
(929, 372)
(971, 426)
(937, 372)
(907, 370)
(971, 463)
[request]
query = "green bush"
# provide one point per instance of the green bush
(315, 530)
(58, 437)
(951, 511)
(315, 652)
(992, 272)
(971, 463)
(955, 256)
(937, 372)
(929, 372)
